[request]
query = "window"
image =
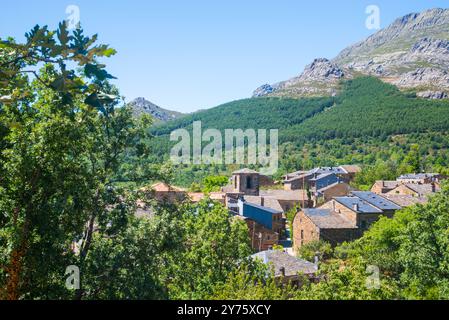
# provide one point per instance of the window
(248, 183)
(363, 224)
(302, 234)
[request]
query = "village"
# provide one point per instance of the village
(327, 208)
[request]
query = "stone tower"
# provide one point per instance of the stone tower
(246, 181)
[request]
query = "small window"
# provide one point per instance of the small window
(302, 234)
(363, 224)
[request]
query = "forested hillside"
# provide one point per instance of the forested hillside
(371, 108)
(263, 113)
(369, 121)
(366, 107)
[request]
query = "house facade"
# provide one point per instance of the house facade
(341, 219)
(246, 182)
(267, 217)
(321, 177)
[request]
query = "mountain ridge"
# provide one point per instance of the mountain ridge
(142, 106)
(411, 53)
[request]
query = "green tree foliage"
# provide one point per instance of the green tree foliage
(320, 250)
(368, 107)
(412, 161)
(347, 281)
(382, 170)
(411, 249)
(214, 243)
(252, 281)
(62, 141)
(133, 263)
(214, 183)
(369, 122)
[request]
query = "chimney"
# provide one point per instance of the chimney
(282, 270)
(356, 207)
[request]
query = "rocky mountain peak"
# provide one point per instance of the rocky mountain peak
(429, 45)
(142, 106)
(263, 90)
(412, 53)
(321, 69)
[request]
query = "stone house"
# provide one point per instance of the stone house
(165, 193)
(322, 224)
(384, 186)
(405, 201)
(420, 178)
(267, 217)
(416, 190)
(321, 177)
(288, 269)
(261, 237)
(341, 219)
(289, 199)
(327, 193)
(245, 181)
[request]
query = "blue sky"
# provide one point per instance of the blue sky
(196, 54)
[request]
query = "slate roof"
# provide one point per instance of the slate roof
(266, 209)
(278, 259)
(297, 177)
(418, 176)
(363, 206)
(405, 200)
(327, 219)
(387, 184)
(335, 170)
(332, 186)
(288, 195)
(321, 170)
(422, 189)
(294, 174)
(322, 176)
(267, 202)
(376, 200)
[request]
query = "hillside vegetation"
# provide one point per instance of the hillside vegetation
(263, 113)
(367, 107)
(370, 121)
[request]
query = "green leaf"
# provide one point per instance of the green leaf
(93, 101)
(94, 71)
(63, 34)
